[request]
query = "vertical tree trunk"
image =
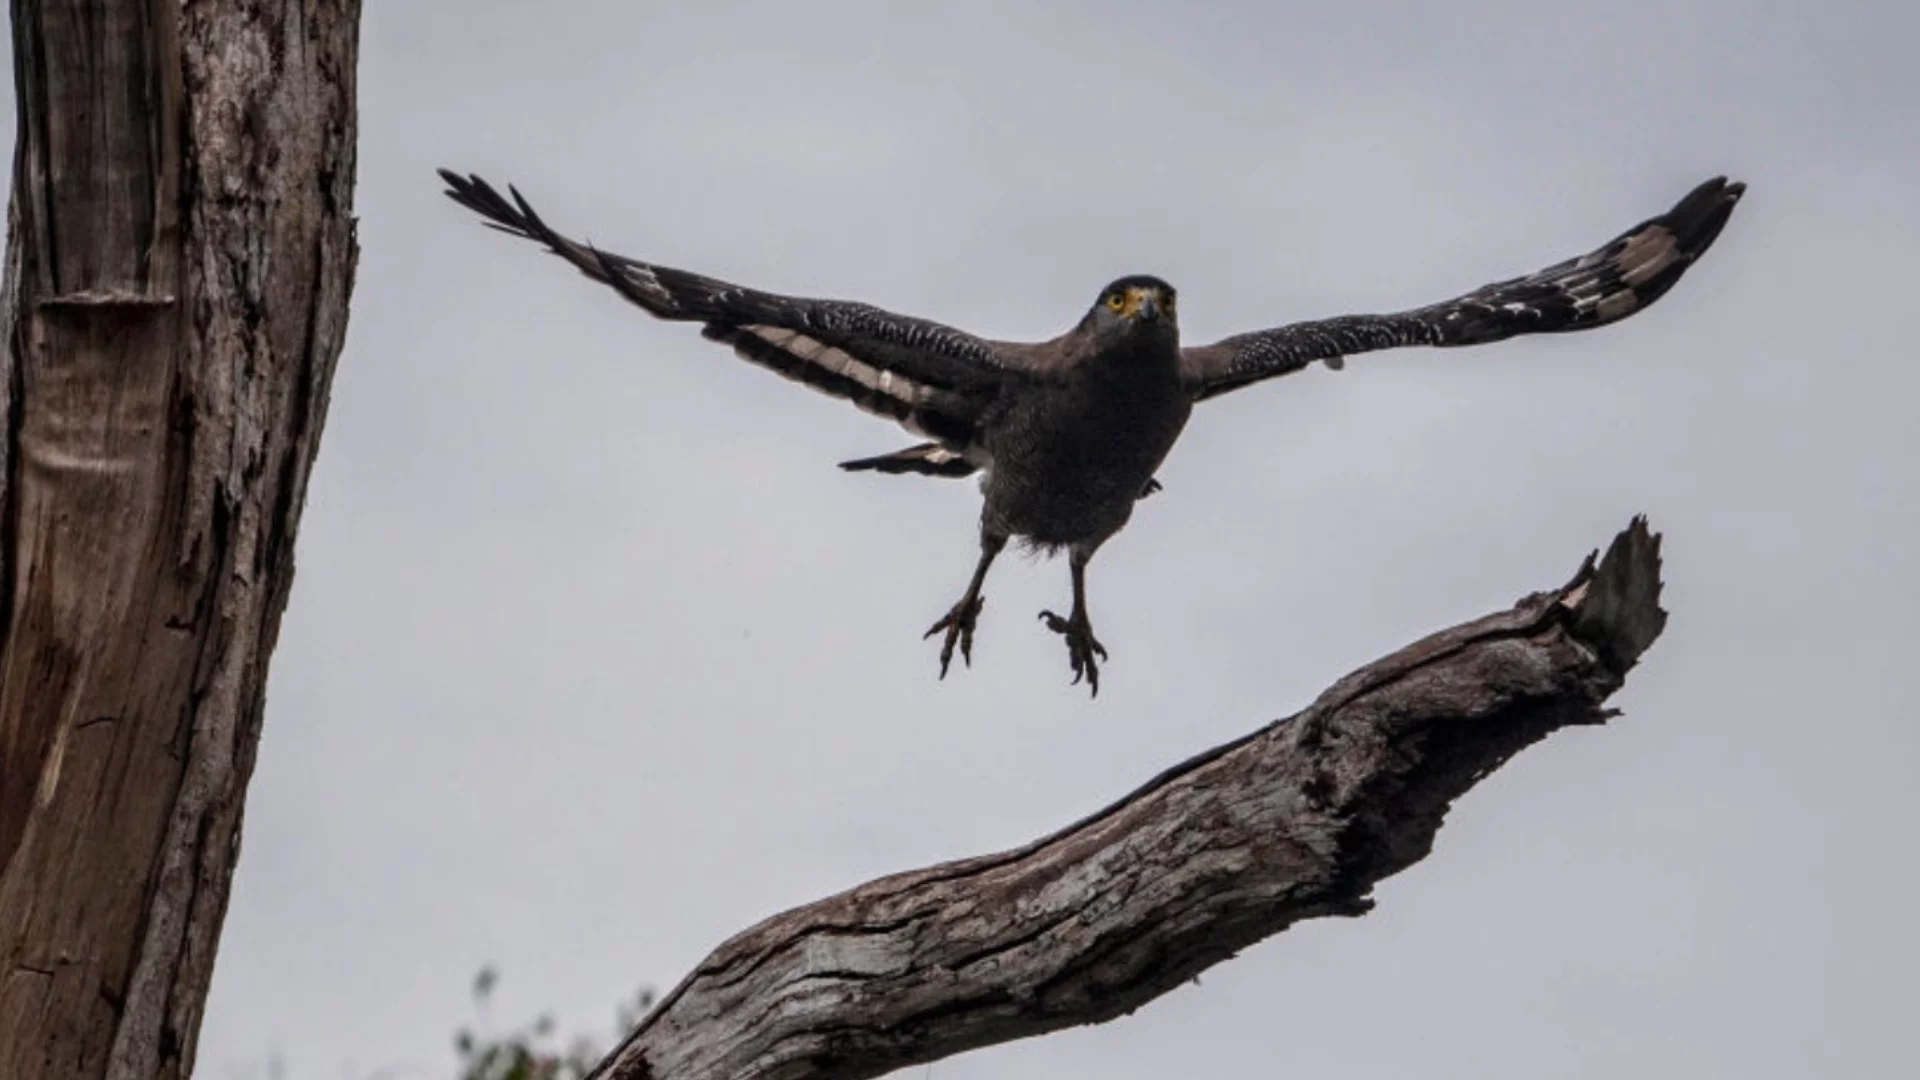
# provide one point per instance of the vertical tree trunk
(180, 255)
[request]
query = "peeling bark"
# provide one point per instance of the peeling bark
(180, 255)
(1295, 821)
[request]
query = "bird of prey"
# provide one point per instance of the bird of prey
(1069, 431)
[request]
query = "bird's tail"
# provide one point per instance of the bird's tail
(928, 459)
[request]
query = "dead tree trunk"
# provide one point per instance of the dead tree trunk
(1295, 821)
(180, 254)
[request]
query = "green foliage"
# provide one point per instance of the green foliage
(532, 1051)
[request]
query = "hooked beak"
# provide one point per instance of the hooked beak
(1146, 305)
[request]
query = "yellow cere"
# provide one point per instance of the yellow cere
(1129, 303)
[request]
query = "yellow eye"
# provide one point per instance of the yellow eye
(1166, 302)
(1116, 301)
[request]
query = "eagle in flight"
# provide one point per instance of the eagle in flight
(1070, 431)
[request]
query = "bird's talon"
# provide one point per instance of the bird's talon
(1083, 649)
(958, 624)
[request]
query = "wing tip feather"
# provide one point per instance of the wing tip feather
(474, 193)
(1696, 220)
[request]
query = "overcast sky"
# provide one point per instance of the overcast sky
(594, 658)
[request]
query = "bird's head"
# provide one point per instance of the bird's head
(1140, 304)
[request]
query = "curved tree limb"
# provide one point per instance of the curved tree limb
(1294, 821)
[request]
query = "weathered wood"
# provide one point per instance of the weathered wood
(180, 254)
(1295, 821)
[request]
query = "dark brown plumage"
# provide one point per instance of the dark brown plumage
(1070, 431)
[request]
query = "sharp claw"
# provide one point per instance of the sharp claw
(958, 625)
(1083, 649)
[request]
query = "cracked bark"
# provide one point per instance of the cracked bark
(1294, 821)
(181, 248)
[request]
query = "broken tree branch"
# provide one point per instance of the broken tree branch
(1296, 820)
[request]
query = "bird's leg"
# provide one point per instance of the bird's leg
(1082, 646)
(958, 623)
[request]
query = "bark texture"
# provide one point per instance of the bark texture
(1294, 821)
(180, 255)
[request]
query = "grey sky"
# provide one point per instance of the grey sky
(594, 658)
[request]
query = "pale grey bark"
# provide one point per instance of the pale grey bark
(181, 248)
(1295, 821)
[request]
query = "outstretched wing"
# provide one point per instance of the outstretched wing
(933, 379)
(1603, 286)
